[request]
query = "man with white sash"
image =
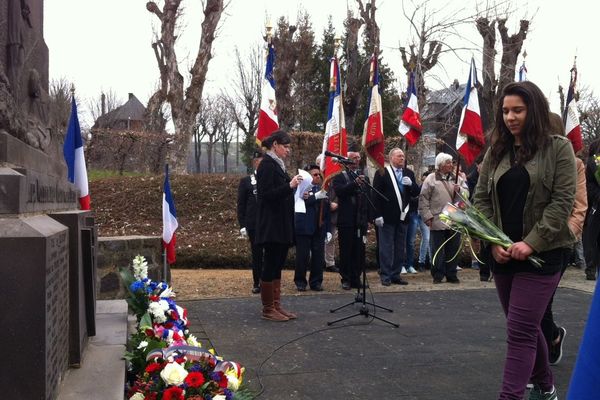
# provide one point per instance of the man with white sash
(397, 183)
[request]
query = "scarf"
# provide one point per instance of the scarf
(279, 161)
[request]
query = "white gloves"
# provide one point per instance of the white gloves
(328, 237)
(243, 232)
(406, 181)
(321, 194)
(379, 222)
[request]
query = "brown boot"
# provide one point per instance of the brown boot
(277, 300)
(269, 312)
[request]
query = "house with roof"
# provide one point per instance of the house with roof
(129, 116)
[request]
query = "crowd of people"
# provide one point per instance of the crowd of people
(529, 183)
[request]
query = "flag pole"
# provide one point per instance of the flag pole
(165, 266)
(164, 253)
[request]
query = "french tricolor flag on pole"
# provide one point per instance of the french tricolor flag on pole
(169, 219)
(267, 116)
(373, 139)
(470, 140)
(571, 115)
(522, 72)
(410, 124)
(73, 153)
(335, 139)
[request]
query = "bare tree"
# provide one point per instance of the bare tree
(184, 103)
(511, 48)
(357, 70)
(243, 98)
(589, 114)
(105, 103)
(225, 122)
(430, 30)
(209, 123)
(60, 106)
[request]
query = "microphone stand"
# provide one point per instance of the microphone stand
(362, 297)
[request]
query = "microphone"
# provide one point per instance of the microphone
(338, 157)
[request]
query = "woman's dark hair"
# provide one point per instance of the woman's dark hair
(280, 137)
(535, 134)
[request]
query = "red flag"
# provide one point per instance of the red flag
(410, 124)
(267, 117)
(373, 140)
(335, 139)
(571, 115)
(470, 140)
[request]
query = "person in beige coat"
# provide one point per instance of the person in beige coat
(439, 189)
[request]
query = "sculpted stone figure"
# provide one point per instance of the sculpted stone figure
(24, 102)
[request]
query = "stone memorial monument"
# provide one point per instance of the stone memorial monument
(46, 243)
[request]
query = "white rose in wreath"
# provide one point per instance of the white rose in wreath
(173, 374)
(157, 309)
(137, 396)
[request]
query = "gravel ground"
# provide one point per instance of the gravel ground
(193, 284)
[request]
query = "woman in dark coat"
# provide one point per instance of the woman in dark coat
(275, 221)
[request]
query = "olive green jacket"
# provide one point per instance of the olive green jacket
(552, 183)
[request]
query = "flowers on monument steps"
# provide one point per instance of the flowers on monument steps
(166, 361)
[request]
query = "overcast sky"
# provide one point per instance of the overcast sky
(105, 45)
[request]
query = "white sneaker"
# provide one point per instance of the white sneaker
(403, 272)
(411, 270)
(458, 268)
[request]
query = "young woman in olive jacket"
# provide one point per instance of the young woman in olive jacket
(527, 187)
(275, 221)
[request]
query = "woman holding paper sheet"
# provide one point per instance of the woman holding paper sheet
(275, 221)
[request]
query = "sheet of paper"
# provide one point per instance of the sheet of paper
(303, 187)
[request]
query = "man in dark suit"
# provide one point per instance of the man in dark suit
(352, 221)
(246, 214)
(398, 185)
(312, 231)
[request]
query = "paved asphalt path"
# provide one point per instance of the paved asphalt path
(450, 344)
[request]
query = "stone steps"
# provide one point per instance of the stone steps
(102, 372)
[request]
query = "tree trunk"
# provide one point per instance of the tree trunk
(184, 105)
(357, 75)
(487, 30)
(209, 153)
(511, 48)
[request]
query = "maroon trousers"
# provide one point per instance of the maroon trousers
(524, 297)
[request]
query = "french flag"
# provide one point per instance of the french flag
(373, 140)
(470, 140)
(267, 117)
(522, 72)
(73, 153)
(410, 124)
(571, 115)
(169, 216)
(335, 139)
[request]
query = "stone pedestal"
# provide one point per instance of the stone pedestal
(34, 263)
(42, 262)
(79, 278)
